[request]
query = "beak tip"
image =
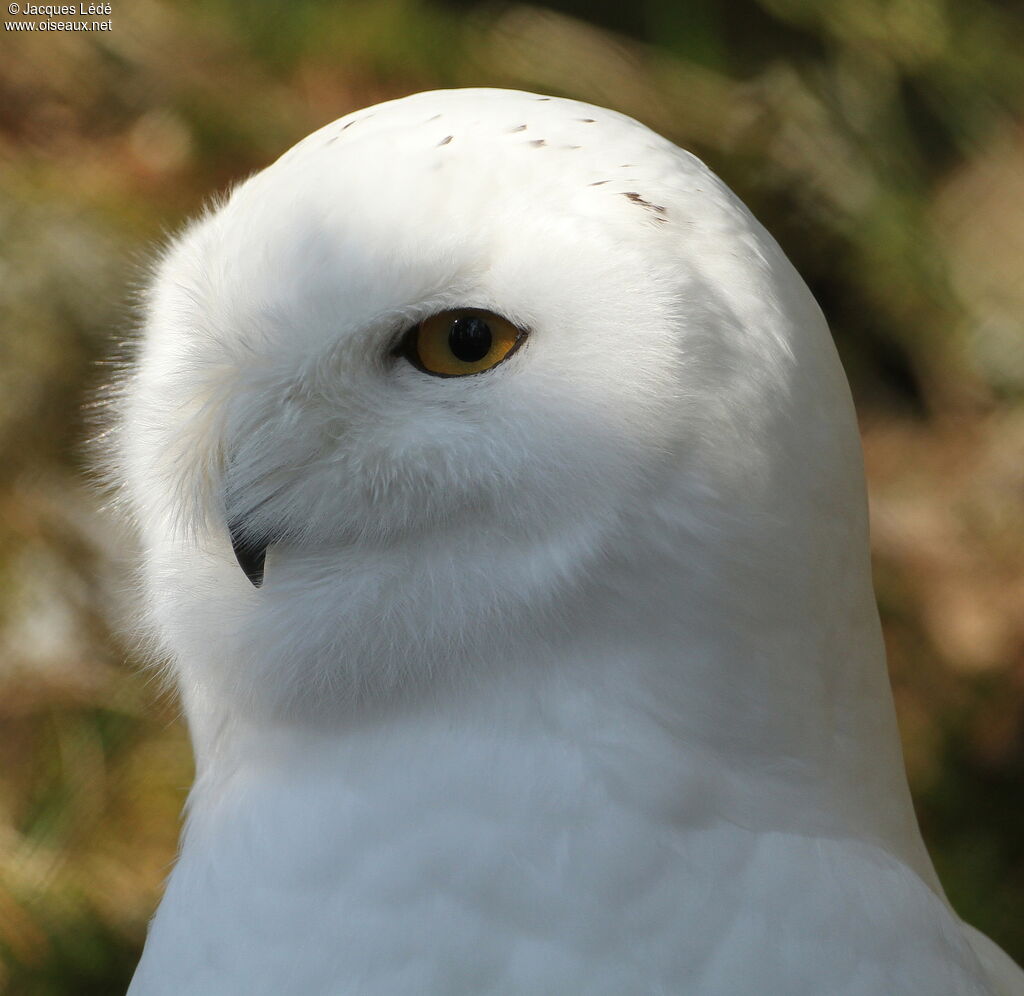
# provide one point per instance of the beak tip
(251, 555)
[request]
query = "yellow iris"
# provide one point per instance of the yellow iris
(462, 342)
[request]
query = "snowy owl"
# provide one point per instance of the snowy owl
(504, 530)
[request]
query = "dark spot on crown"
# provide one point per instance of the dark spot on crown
(637, 199)
(445, 140)
(347, 124)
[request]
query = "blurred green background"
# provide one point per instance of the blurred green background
(881, 141)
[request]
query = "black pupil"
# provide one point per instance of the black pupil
(469, 339)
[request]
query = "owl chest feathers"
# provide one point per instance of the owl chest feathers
(524, 851)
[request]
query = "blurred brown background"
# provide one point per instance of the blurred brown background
(881, 141)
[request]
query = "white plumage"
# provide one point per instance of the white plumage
(564, 677)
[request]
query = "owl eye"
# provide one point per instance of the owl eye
(461, 342)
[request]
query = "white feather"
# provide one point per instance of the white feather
(565, 677)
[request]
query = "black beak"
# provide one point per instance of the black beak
(250, 553)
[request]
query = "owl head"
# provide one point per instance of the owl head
(466, 378)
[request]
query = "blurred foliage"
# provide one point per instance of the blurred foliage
(882, 142)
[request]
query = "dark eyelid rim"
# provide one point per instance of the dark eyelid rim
(403, 348)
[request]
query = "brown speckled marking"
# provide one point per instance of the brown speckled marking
(434, 118)
(512, 131)
(587, 120)
(637, 199)
(538, 142)
(598, 183)
(445, 140)
(543, 98)
(347, 124)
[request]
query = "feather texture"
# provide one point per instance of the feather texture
(562, 677)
